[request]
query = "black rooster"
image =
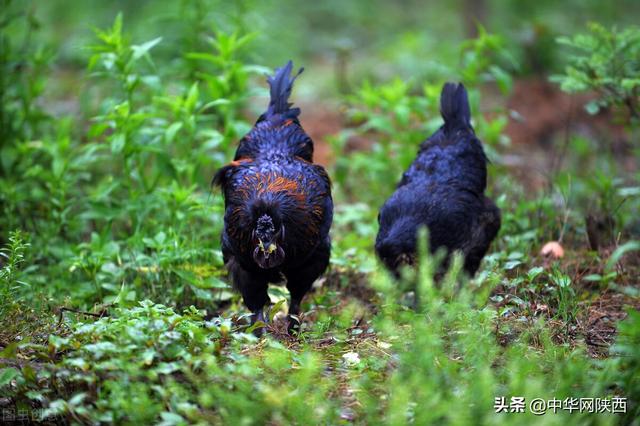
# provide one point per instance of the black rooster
(443, 189)
(278, 206)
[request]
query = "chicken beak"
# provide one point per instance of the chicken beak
(267, 250)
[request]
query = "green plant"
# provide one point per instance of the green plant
(486, 58)
(398, 115)
(120, 60)
(623, 368)
(142, 167)
(178, 366)
(605, 61)
(446, 350)
(11, 260)
(23, 66)
(613, 268)
(565, 296)
(224, 70)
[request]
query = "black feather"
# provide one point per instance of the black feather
(220, 178)
(454, 107)
(443, 189)
(281, 84)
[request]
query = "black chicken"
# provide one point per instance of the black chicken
(278, 206)
(443, 189)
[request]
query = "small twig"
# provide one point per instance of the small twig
(102, 313)
(556, 165)
(567, 212)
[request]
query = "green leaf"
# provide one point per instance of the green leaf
(56, 408)
(593, 278)
(29, 373)
(503, 79)
(512, 264)
(10, 350)
(275, 309)
(142, 49)
(117, 143)
(7, 375)
(217, 102)
(592, 107)
(170, 419)
(211, 283)
(117, 25)
(632, 191)
(254, 326)
(630, 83)
(77, 398)
(171, 131)
(192, 97)
(534, 272)
(621, 251)
(204, 57)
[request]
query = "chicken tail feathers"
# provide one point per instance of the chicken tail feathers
(454, 106)
(281, 83)
(220, 178)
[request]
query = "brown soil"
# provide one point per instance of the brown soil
(321, 122)
(542, 112)
(600, 320)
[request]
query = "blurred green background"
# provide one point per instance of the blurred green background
(375, 39)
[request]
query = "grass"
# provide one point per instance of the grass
(115, 303)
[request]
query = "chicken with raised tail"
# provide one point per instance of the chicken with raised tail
(278, 206)
(443, 189)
